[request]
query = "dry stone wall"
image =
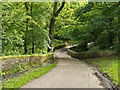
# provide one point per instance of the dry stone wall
(90, 54)
(12, 64)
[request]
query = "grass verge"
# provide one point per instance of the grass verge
(17, 82)
(108, 66)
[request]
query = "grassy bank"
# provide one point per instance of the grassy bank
(108, 66)
(17, 82)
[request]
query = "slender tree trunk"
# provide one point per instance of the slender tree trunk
(33, 43)
(25, 44)
(119, 34)
(119, 45)
(25, 38)
(52, 22)
(51, 27)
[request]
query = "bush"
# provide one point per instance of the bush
(59, 46)
(80, 48)
(95, 48)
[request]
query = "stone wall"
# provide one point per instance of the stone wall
(90, 54)
(12, 64)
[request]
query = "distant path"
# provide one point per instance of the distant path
(69, 73)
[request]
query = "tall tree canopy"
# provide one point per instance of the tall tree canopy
(98, 22)
(23, 24)
(30, 27)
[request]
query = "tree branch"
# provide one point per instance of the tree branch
(58, 11)
(26, 6)
(55, 7)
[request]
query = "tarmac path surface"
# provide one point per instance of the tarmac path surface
(69, 73)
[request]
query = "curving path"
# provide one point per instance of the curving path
(69, 73)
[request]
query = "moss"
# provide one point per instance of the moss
(23, 56)
(90, 54)
(15, 83)
(14, 64)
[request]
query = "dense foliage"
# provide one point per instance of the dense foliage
(25, 25)
(98, 23)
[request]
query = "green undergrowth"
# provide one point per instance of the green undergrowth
(15, 83)
(57, 44)
(15, 69)
(108, 66)
(23, 56)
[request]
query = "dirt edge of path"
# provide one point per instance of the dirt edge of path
(105, 79)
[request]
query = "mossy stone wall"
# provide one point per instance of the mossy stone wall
(13, 64)
(90, 54)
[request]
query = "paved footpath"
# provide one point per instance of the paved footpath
(69, 73)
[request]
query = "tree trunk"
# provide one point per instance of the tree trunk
(51, 28)
(25, 38)
(52, 23)
(25, 43)
(33, 47)
(118, 33)
(33, 44)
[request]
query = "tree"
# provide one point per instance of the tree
(52, 21)
(25, 37)
(98, 23)
(65, 22)
(33, 43)
(25, 27)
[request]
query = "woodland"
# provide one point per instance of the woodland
(32, 27)
(32, 30)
